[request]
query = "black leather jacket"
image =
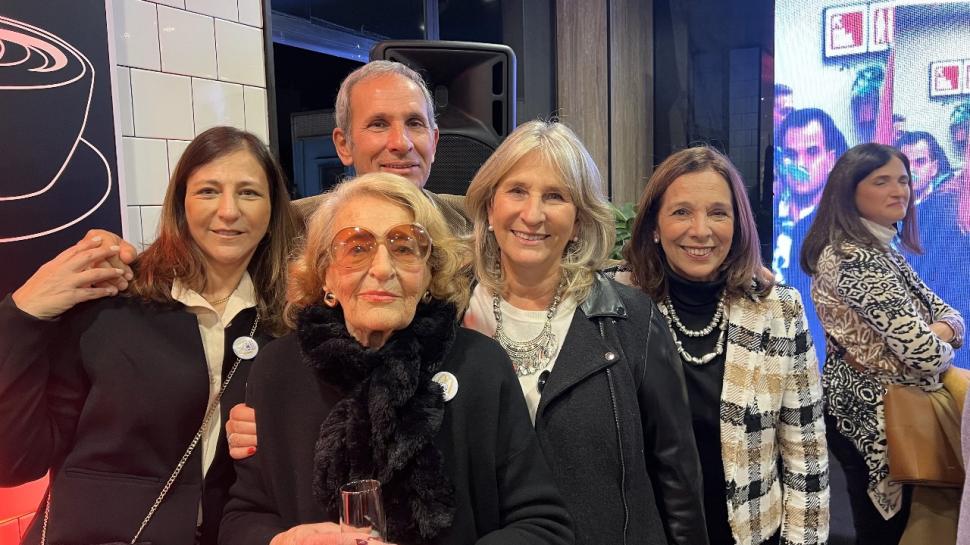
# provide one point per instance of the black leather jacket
(614, 424)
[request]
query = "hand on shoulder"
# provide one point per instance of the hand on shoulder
(69, 279)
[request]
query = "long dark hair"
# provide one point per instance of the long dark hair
(837, 219)
(175, 255)
(743, 262)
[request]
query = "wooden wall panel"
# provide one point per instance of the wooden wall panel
(604, 63)
(631, 97)
(581, 73)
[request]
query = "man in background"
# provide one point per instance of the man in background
(809, 145)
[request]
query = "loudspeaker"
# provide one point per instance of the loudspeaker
(473, 85)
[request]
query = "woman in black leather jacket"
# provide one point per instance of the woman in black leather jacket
(594, 358)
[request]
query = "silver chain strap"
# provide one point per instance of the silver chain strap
(178, 468)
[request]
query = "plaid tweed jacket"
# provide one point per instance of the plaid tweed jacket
(771, 412)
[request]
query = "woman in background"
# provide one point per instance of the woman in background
(883, 326)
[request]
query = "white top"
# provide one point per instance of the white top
(520, 325)
(212, 328)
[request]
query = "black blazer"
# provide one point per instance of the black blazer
(107, 398)
(503, 490)
(614, 424)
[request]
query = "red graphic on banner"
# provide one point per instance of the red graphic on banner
(845, 30)
(946, 77)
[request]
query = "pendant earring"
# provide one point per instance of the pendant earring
(329, 299)
(656, 238)
(426, 298)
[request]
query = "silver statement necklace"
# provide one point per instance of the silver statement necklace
(719, 320)
(530, 356)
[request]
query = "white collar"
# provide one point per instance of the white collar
(244, 296)
(882, 233)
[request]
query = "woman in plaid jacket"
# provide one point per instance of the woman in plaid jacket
(751, 369)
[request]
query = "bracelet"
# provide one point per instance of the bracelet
(957, 326)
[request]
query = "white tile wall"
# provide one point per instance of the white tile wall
(251, 12)
(175, 150)
(188, 43)
(136, 34)
(123, 75)
(224, 9)
(134, 226)
(183, 66)
(149, 223)
(257, 117)
(162, 104)
(217, 103)
(240, 53)
(146, 170)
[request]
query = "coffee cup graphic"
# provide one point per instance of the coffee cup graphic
(45, 93)
(51, 176)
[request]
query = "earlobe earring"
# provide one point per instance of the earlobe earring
(656, 238)
(329, 299)
(427, 297)
(490, 228)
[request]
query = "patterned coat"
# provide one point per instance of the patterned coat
(771, 409)
(877, 311)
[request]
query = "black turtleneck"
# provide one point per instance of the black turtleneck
(695, 303)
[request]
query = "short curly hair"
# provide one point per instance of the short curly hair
(449, 261)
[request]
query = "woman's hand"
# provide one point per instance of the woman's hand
(943, 331)
(241, 431)
(126, 254)
(69, 279)
(324, 533)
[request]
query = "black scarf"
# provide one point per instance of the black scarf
(383, 429)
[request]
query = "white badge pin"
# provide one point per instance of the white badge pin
(245, 347)
(448, 383)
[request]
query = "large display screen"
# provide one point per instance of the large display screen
(891, 72)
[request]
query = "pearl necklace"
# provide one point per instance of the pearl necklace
(674, 323)
(530, 356)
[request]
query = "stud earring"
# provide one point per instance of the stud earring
(329, 299)
(576, 238)
(656, 238)
(490, 228)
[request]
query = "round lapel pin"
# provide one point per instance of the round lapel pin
(245, 347)
(448, 382)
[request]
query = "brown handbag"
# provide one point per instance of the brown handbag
(919, 450)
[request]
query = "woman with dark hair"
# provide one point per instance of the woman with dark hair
(883, 326)
(751, 370)
(82, 383)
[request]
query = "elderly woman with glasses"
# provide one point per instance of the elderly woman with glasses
(378, 381)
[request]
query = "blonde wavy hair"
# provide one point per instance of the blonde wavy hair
(560, 149)
(449, 261)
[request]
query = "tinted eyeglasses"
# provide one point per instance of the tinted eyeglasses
(354, 248)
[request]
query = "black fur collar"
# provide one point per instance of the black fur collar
(383, 429)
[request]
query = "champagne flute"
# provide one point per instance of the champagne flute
(362, 510)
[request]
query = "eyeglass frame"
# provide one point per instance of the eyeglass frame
(380, 240)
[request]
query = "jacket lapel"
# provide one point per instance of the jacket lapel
(745, 329)
(583, 353)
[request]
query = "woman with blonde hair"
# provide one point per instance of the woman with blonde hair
(378, 381)
(593, 358)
